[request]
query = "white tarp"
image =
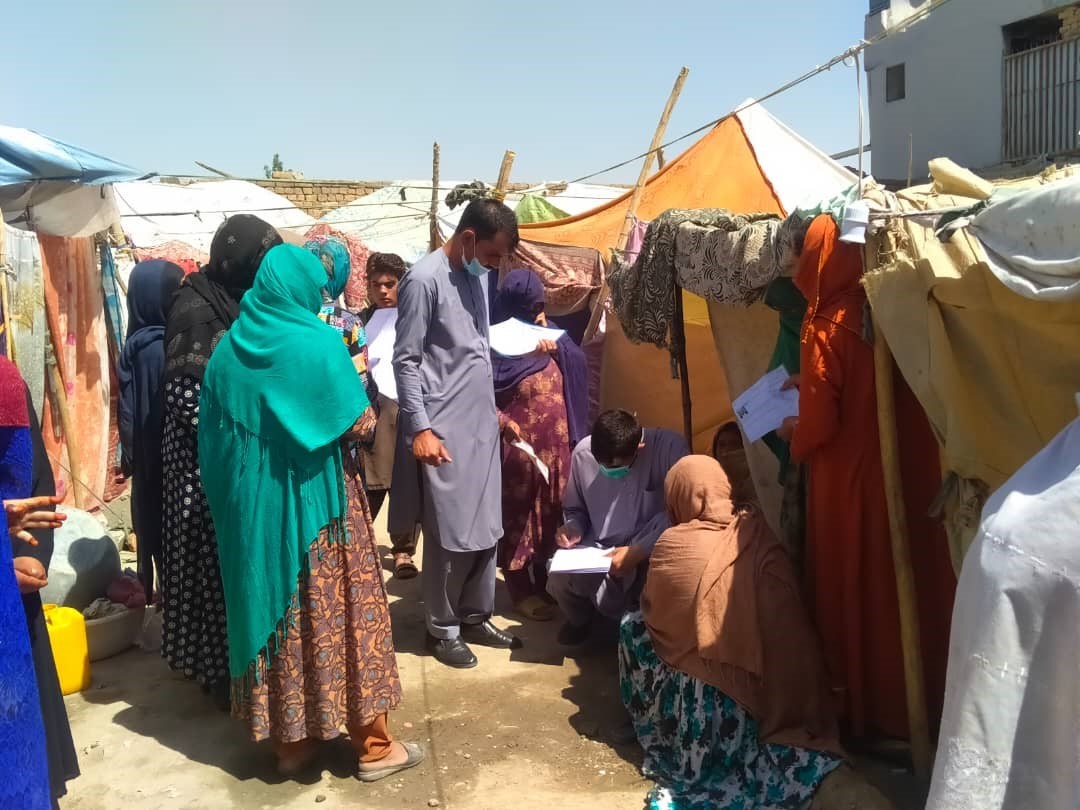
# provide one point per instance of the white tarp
(1032, 240)
(396, 218)
(59, 208)
(153, 213)
(800, 173)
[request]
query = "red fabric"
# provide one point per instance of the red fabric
(13, 410)
(356, 287)
(570, 274)
(181, 254)
(851, 583)
(75, 309)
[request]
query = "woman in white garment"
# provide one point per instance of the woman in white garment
(1010, 735)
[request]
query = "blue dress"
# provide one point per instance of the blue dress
(23, 765)
(701, 747)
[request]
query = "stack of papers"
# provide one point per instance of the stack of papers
(516, 338)
(582, 560)
(381, 332)
(763, 407)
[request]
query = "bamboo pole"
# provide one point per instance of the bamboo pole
(66, 425)
(433, 238)
(915, 684)
(678, 349)
(5, 299)
(635, 197)
(504, 175)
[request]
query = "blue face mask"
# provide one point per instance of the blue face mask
(474, 267)
(615, 473)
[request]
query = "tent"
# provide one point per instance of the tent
(397, 218)
(749, 162)
(984, 322)
(54, 187)
(156, 213)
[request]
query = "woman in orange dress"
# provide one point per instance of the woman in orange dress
(850, 580)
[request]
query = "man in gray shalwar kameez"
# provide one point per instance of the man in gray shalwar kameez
(447, 470)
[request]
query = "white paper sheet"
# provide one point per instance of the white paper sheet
(527, 449)
(763, 406)
(586, 560)
(514, 338)
(381, 332)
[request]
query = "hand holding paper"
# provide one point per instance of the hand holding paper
(583, 560)
(516, 338)
(381, 331)
(765, 405)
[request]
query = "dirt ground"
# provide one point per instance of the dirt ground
(525, 729)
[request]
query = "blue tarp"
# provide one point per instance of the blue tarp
(26, 156)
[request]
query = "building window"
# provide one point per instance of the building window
(895, 84)
(1046, 29)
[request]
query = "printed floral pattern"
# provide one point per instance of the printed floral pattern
(336, 665)
(532, 509)
(701, 747)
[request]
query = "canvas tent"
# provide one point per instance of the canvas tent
(989, 343)
(54, 187)
(155, 213)
(750, 162)
(397, 218)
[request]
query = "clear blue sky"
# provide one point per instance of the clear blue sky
(355, 89)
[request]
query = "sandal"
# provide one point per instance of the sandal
(535, 608)
(404, 567)
(374, 774)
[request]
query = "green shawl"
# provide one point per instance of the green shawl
(278, 394)
(782, 296)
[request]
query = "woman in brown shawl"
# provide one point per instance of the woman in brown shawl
(721, 670)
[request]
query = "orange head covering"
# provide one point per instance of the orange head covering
(829, 276)
(721, 602)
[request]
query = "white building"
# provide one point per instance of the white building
(983, 82)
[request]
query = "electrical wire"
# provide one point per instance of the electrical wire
(357, 203)
(850, 53)
(918, 16)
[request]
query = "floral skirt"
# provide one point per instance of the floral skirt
(701, 747)
(335, 666)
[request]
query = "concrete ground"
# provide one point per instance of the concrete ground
(522, 730)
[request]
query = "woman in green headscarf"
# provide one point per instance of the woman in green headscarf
(310, 647)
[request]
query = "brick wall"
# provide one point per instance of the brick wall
(1070, 22)
(316, 197)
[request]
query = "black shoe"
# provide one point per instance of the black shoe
(488, 635)
(451, 651)
(572, 635)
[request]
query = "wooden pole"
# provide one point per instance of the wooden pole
(678, 349)
(56, 380)
(910, 639)
(504, 175)
(635, 197)
(433, 238)
(5, 299)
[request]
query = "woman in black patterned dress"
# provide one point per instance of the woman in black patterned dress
(193, 631)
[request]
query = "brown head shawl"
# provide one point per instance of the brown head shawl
(722, 603)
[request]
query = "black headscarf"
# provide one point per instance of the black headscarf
(141, 407)
(209, 300)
